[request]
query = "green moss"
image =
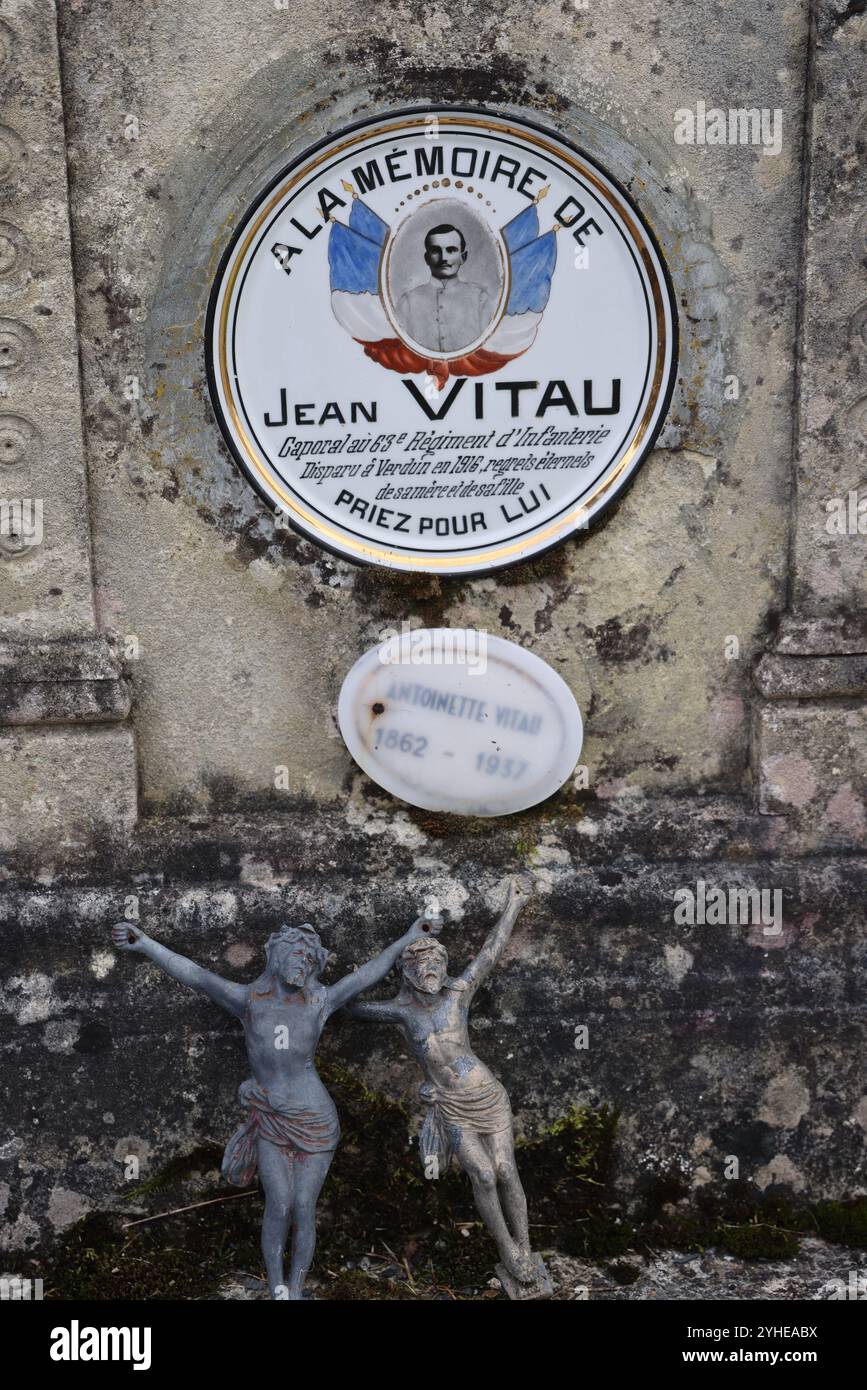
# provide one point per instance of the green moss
(354, 1286)
(731, 1218)
(178, 1257)
(844, 1223)
(661, 1191)
(525, 850)
(425, 1235)
(559, 809)
(568, 1173)
(440, 825)
(758, 1241)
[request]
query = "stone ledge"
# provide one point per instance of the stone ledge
(61, 681)
(811, 677)
(269, 845)
(268, 849)
(845, 635)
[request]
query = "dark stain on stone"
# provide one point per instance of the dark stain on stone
(500, 79)
(553, 564)
(561, 805)
(752, 1140)
(852, 11)
(616, 643)
(118, 304)
(391, 594)
(94, 1037)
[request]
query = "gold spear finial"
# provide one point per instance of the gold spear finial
(347, 188)
(543, 193)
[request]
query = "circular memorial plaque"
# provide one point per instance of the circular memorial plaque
(456, 720)
(441, 340)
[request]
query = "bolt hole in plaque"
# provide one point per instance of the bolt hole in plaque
(464, 722)
(441, 340)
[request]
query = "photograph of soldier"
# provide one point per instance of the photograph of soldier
(448, 312)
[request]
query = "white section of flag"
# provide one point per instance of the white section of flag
(362, 315)
(514, 334)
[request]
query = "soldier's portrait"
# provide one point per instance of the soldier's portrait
(445, 279)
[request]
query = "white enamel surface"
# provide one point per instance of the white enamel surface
(480, 737)
(609, 318)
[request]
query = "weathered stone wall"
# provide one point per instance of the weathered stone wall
(634, 616)
(168, 646)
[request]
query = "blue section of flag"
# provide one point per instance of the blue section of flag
(521, 229)
(366, 222)
(532, 267)
(353, 261)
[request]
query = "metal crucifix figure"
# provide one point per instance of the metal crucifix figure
(291, 1130)
(469, 1118)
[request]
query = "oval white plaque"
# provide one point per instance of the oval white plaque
(457, 720)
(441, 340)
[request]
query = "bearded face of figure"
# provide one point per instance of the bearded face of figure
(426, 970)
(293, 964)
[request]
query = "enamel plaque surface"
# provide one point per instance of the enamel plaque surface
(442, 340)
(457, 720)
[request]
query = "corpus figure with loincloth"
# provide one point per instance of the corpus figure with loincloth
(291, 1130)
(468, 1116)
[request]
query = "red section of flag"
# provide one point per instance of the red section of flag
(397, 357)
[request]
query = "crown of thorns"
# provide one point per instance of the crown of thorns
(424, 943)
(305, 935)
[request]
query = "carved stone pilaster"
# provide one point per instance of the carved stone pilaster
(811, 733)
(830, 577)
(56, 670)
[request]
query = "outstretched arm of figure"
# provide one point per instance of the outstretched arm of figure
(376, 1011)
(498, 939)
(230, 996)
(375, 970)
